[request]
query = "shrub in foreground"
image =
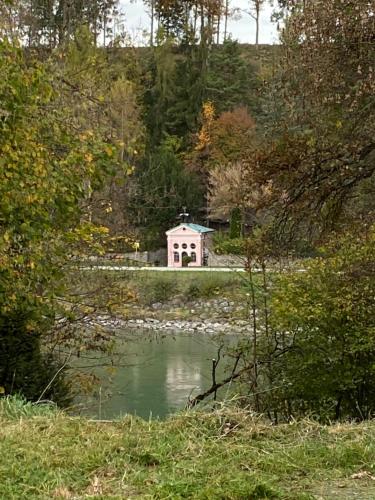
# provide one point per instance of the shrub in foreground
(324, 345)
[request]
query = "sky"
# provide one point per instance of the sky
(136, 21)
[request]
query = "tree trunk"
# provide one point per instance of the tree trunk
(104, 31)
(202, 23)
(255, 336)
(152, 23)
(226, 19)
(195, 19)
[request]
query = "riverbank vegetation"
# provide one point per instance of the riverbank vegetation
(221, 454)
(157, 286)
(312, 344)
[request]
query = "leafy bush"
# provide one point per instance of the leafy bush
(186, 259)
(210, 286)
(194, 291)
(325, 324)
(160, 289)
(223, 244)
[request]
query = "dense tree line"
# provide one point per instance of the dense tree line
(169, 86)
(50, 23)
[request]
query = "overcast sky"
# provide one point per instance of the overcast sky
(136, 21)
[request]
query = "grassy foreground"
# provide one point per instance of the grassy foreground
(225, 454)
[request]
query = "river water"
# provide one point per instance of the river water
(153, 374)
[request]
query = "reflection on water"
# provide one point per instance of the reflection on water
(156, 376)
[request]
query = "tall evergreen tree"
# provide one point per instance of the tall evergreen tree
(164, 187)
(231, 81)
(175, 89)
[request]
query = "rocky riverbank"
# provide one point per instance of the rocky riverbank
(233, 327)
(214, 316)
(211, 316)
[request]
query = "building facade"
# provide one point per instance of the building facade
(188, 245)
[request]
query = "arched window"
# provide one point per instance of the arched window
(176, 257)
(193, 256)
(175, 245)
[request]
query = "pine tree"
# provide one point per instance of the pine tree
(164, 186)
(230, 79)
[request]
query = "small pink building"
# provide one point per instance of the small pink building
(187, 245)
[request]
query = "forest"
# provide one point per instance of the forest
(103, 143)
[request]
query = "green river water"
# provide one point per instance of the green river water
(154, 375)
